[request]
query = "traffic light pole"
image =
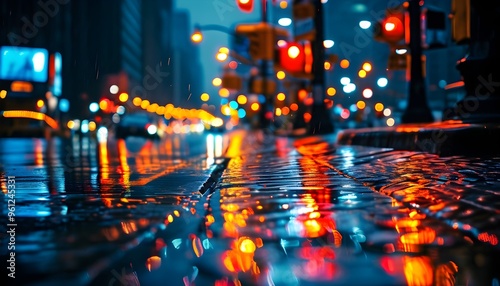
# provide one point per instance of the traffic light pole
(417, 110)
(321, 122)
(266, 111)
(479, 69)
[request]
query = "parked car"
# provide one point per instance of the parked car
(138, 124)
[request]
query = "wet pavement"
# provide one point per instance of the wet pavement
(253, 209)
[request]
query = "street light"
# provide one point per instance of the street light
(197, 36)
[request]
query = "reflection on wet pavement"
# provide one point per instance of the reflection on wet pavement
(281, 212)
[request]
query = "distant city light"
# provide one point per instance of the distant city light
(241, 99)
(367, 93)
(224, 92)
(387, 112)
(401, 51)
(64, 105)
(331, 91)
(367, 66)
(365, 24)
(349, 88)
(204, 96)
(324, 1)
(328, 43)
(137, 101)
(362, 73)
(224, 50)
(283, 4)
(360, 104)
(221, 56)
(353, 108)
(233, 64)
(345, 80)
(94, 107)
(241, 113)
(280, 75)
(123, 97)
(114, 89)
(345, 113)
(120, 110)
(390, 122)
(285, 22)
(255, 106)
(84, 126)
(217, 81)
(344, 63)
(3, 93)
(281, 43)
(280, 96)
(233, 104)
(379, 107)
(382, 82)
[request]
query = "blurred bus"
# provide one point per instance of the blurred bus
(29, 84)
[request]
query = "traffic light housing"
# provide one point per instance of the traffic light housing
(262, 40)
(394, 27)
(296, 59)
(245, 5)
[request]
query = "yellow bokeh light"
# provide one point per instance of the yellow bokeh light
(280, 96)
(3, 93)
(137, 101)
(224, 92)
(367, 66)
(280, 75)
(144, 104)
(331, 91)
(379, 107)
(247, 246)
(277, 111)
(344, 63)
(40, 103)
(362, 73)
(255, 106)
(224, 50)
(225, 109)
(242, 99)
(196, 37)
(204, 96)
(361, 104)
(71, 124)
(221, 57)
(123, 97)
(328, 66)
(217, 81)
(283, 4)
(103, 104)
(92, 126)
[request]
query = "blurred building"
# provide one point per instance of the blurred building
(130, 43)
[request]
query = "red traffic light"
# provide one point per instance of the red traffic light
(245, 5)
(393, 28)
(292, 57)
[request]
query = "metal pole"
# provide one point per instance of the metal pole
(321, 122)
(417, 110)
(264, 121)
